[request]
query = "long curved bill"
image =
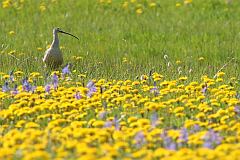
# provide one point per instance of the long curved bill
(69, 34)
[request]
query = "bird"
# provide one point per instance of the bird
(53, 57)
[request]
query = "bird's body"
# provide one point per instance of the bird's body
(53, 56)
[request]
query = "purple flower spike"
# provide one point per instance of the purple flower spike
(168, 143)
(90, 84)
(15, 90)
(140, 139)
(183, 135)
(204, 89)
(66, 70)
(78, 96)
(212, 139)
(103, 114)
(5, 87)
(237, 109)
(172, 146)
(107, 124)
(47, 88)
(155, 90)
(154, 119)
(116, 123)
(91, 88)
(55, 81)
(26, 85)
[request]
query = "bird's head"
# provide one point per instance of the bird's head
(59, 30)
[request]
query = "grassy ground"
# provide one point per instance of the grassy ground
(145, 62)
(109, 33)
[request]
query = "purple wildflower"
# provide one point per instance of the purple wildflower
(26, 85)
(140, 139)
(155, 89)
(90, 84)
(91, 88)
(15, 90)
(55, 81)
(5, 87)
(47, 88)
(172, 146)
(183, 135)
(66, 70)
(34, 86)
(77, 95)
(195, 128)
(108, 124)
(168, 143)
(154, 119)
(103, 114)
(204, 89)
(237, 109)
(212, 139)
(116, 123)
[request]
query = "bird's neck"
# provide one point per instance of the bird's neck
(55, 43)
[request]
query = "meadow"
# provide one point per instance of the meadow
(148, 79)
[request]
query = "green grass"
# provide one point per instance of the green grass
(108, 33)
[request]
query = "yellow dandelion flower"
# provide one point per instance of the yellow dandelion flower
(152, 4)
(200, 58)
(178, 62)
(139, 11)
(187, 1)
(6, 3)
(11, 33)
(32, 125)
(125, 5)
(42, 8)
(178, 4)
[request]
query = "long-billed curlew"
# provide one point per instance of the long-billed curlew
(53, 56)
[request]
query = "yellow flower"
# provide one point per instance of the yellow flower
(18, 73)
(152, 4)
(220, 74)
(42, 8)
(32, 125)
(98, 124)
(178, 62)
(40, 49)
(139, 11)
(187, 1)
(219, 80)
(6, 3)
(178, 109)
(6, 76)
(162, 152)
(11, 33)
(178, 4)
(37, 155)
(125, 5)
(124, 60)
(200, 115)
(132, 119)
(200, 58)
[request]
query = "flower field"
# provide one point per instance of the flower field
(149, 118)
(147, 79)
